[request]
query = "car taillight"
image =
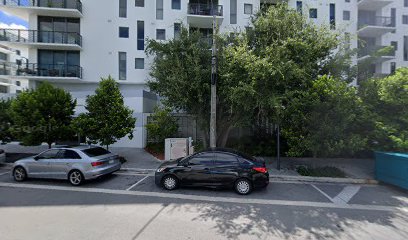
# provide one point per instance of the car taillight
(95, 164)
(260, 169)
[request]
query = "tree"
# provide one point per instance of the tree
(42, 115)
(387, 100)
(328, 120)
(5, 121)
(162, 125)
(107, 119)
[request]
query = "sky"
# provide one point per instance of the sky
(8, 21)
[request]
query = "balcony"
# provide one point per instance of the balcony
(58, 8)
(42, 39)
(34, 71)
(381, 53)
(201, 15)
(372, 5)
(375, 26)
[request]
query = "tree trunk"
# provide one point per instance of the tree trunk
(49, 145)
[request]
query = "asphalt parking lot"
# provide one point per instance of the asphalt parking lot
(142, 181)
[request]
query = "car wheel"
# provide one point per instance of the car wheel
(170, 182)
(19, 174)
(75, 177)
(243, 186)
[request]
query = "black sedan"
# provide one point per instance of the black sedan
(214, 168)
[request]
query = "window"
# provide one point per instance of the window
(95, 152)
(177, 30)
(405, 48)
(175, 4)
(405, 3)
(123, 32)
(140, 35)
(347, 39)
(159, 9)
(50, 154)
(225, 159)
(347, 1)
(404, 19)
(393, 67)
(69, 154)
(233, 12)
(161, 34)
(313, 13)
(346, 15)
(139, 3)
(395, 45)
(299, 6)
(59, 63)
(332, 16)
(3, 56)
(3, 89)
(202, 159)
(122, 66)
(18, 83)
(247, 8)
(139, 63)
(122, 8)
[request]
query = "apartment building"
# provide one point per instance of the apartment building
(10, 87)
(73, 43)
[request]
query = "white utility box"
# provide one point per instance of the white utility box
(177, 148)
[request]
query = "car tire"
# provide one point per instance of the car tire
(19, 174)
(76, 178)
(243, 186)
(170, 182)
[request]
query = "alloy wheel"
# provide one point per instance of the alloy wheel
(20, 174)
(243, 187)
(75, 178)
(170, 183)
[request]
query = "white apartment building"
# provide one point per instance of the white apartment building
(73, 43)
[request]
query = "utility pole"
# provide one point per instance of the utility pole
(213, 120)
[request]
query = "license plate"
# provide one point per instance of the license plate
(111, 161)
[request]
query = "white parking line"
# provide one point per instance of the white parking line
(129, 174)
(202, 198)
(323, 193)
(346, 194)
(137, 183)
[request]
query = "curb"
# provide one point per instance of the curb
(322, 179)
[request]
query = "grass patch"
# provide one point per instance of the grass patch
(321, 172)
(156, 149)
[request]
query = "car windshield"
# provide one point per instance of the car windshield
(95, 152)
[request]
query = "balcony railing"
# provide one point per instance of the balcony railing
(35, 36)
(41, 70)
(370, 50)
(67, 4)
(377, 21)
(204, 9)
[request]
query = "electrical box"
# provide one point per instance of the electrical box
(178, 147)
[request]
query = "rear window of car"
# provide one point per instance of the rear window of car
(95, 152)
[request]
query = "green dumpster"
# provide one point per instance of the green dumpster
(392, 168)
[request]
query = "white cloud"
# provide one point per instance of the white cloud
(12, 26)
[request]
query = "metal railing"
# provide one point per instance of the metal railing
(35, 36)
(67, 4)
(41, 70)
(204, 9)
(370, 50)
(378, 21)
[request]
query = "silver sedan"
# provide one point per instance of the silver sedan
(76, 164)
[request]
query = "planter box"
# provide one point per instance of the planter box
(392, 168)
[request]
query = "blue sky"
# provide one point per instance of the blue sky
(11, 20)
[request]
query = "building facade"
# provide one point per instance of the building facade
(73, 43)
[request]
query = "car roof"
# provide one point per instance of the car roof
(229, 150)
(78, 147)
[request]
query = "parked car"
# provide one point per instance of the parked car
(214, 168)
(77, 164)
(2, 156)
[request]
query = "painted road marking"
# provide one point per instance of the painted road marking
(129, 174)
(201, 198)
(137, 183)
(323, 193)
(346, 194)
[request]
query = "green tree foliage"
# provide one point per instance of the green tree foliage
(327, 120)
(5, 121)
(42, 115)
(163, 125)
(107, 119)
(387, 100)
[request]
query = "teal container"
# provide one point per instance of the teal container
(392, 168)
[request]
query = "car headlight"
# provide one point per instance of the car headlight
(161, 169)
